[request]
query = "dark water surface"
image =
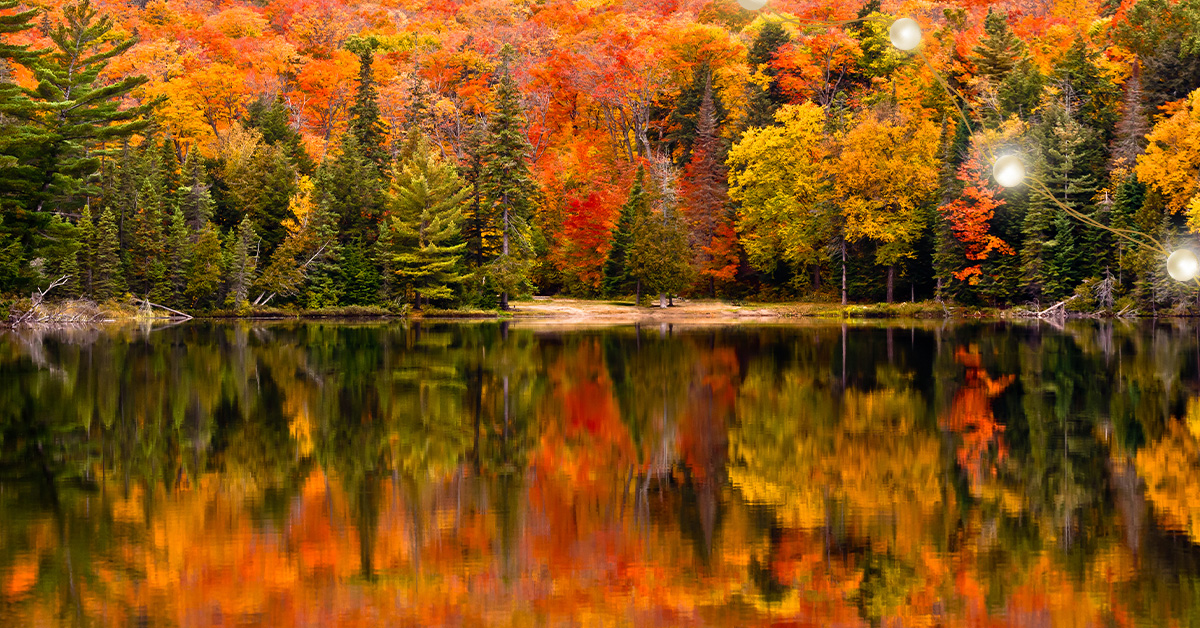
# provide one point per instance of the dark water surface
(912, 474)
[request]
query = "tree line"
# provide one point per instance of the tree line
(854, 186)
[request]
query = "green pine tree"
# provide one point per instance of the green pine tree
(352, 187)
(107, 279)
(1068, 158)
(243, 260)
(508, 186)
(147, 267)
(1089, 90)
(366, 122)
(426, 209)
(263, 190)
(616, 274)
(273, 121)
(204, 268)
(195, 198)
(179, 254)
(999, 49)
(658, 257)
(86, 257)
(1021, 90)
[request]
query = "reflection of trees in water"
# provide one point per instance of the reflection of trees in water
(813, 458)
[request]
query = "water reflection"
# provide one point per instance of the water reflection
(481, 474)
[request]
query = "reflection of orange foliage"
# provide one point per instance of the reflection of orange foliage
(970, 414)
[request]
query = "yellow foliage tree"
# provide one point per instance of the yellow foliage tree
(776, 178)
(886, 171)
(1173, 157)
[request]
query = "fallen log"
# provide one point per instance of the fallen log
(179, 314)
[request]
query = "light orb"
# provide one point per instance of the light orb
(1182, 265)
(1009, 171)
(752, 5)
(905, 33)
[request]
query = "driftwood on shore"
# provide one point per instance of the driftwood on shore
(149, 306)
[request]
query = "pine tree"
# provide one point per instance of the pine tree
(204, 268)
(179, 255)
(47, 159)
(351, 186)
(426, 209)
(366, 123)
(508, 186)
(60, 255)
(684, 121)
(273, 121)
(705, 193)
(1068, 158)
(147, 253)
(1021, 91)
(657, 257)
(1090, 92)
(80, 110)
(195, 199)
(107, 279)
(86, 258)
(311, 240)
(262, 190)
(765, 95)
(999, 49)
(1132, 124)
(243, 260)
(480, 219)
(637, 205)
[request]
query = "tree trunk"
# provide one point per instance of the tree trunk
(637, 295)
(891, 282)
(418, 304)
(662, 300)
(843, 273)
(816, 279)
(504, 300)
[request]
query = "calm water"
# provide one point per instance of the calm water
(484, 475)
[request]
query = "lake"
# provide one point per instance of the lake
(485, 474)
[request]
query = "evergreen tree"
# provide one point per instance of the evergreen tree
(16, 109)
(1090, 93)
(479, 229)
(195, 198)
(765, 95)
(1021, 90)
(179, 255)
(243, 260)
(86, 258)
(658, 258)
(262, 189)
(1068, 158)
(60, 255)
(360, 277)
(71, 112)
(684, 121)
(425, 248)
(705, 195)
(147, 254)
(350, 186)
(273, 121)
(616, 268)
(508, 186)
(107, 279)
(204, 269)
(366, 123)
(311, 240)
(1132, 125)
(999, 49)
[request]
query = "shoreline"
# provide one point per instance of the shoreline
(570, 311)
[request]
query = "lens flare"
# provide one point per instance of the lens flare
(905, 33)
(752, 5)
(1182, 265)
(1009, 171)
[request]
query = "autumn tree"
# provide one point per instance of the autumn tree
(778, 178)
(887, 172)
(705, 200)
(765, 95)
(1172, 159)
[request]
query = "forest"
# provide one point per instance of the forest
(232, 155)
